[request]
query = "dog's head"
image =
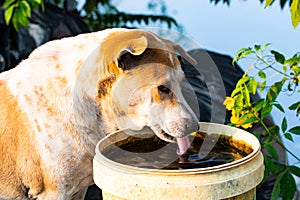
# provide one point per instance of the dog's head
(142, 81)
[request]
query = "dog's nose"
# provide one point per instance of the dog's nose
(195, 127)
(186, 127)
(192, 126)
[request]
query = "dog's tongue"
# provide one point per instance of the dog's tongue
(183, 145)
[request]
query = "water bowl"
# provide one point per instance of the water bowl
(152, 172)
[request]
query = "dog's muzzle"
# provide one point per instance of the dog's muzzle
(175, 130)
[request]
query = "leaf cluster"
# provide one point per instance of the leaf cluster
(19, 11)
(288, 71)
(98, 14)
(294, 7)
(101, 14)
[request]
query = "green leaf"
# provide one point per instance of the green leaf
(22, 20)
(295, 170)
(295, 12)
(235, 59)
(262, 86)
(274, 130)
(246, 96)
(256, 134)
(284, 125)
(258, 105)
(284, 68)
(239, 103)
(296, 69)
(268, 140)
(250, 120)
(278, 56)
(39, 1)
(288, 136)
(268, 2)
(235, 91)
(8, 3)
(252, 86)
(262, 74)
(276, 188)
(257, 47)
(269, 164)
(242, 81)
(287, 186)
(246, 52)
(15, 23)
(8, 14)
(272, 151)
(25, 8)
(266, 110)
(279, 107)
(241, 53)
(265, 46)
(295, 106)
(274, 91)
(293, 60)
(279, 168)
(295, 130)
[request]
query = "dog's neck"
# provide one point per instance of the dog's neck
(104, 102)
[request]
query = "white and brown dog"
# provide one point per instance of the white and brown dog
(57, 104)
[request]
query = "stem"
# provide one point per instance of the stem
(278, 141)
(270, 66)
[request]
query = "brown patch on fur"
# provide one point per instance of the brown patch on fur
(50, 136)
(50, 110)
(118, 112)
(156, 96)
(78, 66)
(20, 164)
(28, 99)
(37, 125)
(48, 148)
(62, 81)
(54, 57)
(47, 126)
(171, 102)
(105, 85)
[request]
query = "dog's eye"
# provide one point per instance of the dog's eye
(163, 89)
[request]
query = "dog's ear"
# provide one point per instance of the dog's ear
(133, 47)
(187, 59)
(120, 43)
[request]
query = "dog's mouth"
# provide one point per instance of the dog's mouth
(166, 136)
(183, 142)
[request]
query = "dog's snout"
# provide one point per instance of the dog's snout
(183, 127)
(191, 126)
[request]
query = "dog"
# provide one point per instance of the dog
(69, 93)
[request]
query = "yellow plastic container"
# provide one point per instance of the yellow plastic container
(235, 180)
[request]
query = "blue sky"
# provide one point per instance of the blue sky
(226, 29)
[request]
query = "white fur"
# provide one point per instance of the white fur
(55, 89)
